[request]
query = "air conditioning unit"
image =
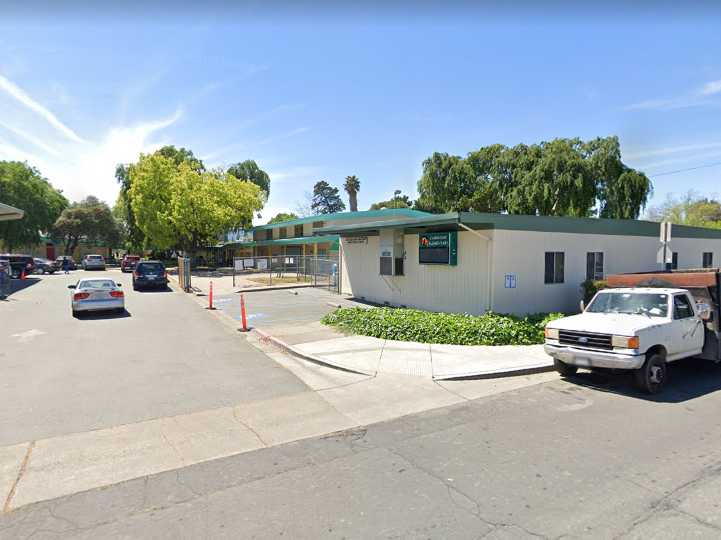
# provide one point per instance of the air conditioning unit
(391, 252)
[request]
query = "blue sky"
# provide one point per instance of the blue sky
(371, 94)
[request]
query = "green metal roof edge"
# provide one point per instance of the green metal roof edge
(344, 215)
(556, 224)
(286, 241)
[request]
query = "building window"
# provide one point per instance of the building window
(554, 267)
(318, 224)
(261, 235)
(283, 232)
(298, 231)
(594, 265)
(673, 265)
(707, 259)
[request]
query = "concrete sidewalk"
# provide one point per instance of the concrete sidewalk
(371, 356)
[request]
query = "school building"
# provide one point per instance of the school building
(473, 262)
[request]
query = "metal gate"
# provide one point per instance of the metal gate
(184, 273)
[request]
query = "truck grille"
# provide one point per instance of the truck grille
(585, 339)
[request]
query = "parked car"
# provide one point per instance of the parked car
(93, 262)
(149, 274)
(96, 295)
(44, 266)
(20, 264)
(128, 263)
(638, 328)
(4, 278)
(59, 263)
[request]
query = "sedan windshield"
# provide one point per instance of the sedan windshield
(96, 284)
(651, 304)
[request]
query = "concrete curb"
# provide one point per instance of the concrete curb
(311, 358)
(273, 288)
(495, 374)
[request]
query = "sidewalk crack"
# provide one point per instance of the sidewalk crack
(249, 428)
(21, 472)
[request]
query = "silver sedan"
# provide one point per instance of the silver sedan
(96, 295)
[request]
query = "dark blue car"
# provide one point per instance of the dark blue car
(149, 275)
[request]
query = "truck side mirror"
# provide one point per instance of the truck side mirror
(704, 311)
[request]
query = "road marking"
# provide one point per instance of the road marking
(24, 337)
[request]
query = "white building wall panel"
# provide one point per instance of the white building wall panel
(522, 253)
(462, 288)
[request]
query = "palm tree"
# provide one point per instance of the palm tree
(352, 187)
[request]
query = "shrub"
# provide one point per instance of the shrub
(590, 287)
(403, 324)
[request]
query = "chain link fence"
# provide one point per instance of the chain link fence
(289, 269)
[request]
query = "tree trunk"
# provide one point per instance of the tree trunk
(353, 201)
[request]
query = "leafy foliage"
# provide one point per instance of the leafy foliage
(450, 328)
(90, 220)
(563, 177)
(182, 206)
(326, 199)
(248, 170)
(23, 187)
(282, 216)
(352, 187)
(691, 209)
(590, 287)
(398, 201)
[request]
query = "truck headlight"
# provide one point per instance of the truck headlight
(625, 342)
(551, 333)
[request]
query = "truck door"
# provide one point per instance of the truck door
(688, 334)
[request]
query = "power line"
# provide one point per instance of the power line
(716, 164)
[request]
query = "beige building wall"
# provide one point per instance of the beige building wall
(465, 288)
(462, 288)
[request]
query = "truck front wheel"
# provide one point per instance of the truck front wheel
(565, 370)
(651, 377)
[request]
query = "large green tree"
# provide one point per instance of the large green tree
(326, 199)
(563, 177)
(248, 170)
(281, 217)
(22, 186)
(90, 220)
(123, 211)
(690, 209)
(180, 206)
(397, 201)
(352, 187)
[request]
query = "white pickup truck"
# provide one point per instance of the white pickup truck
(636, 328)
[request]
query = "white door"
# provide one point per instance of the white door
(688, 329)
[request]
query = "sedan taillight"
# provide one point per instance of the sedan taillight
(136, 274)
(81, 296)
(116, 294)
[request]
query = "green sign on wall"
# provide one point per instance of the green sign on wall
(438, 248)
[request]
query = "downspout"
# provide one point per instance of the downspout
(489, 270)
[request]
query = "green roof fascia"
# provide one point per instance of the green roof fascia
(409, 225)
(557, 224)
(286, 241)
(400, 212)
(562, 224)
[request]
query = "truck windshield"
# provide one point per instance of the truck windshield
(653, 305)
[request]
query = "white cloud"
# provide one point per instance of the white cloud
(669, 150)
(19, 94)
(693, 98)
(711, 88)
(31, 139)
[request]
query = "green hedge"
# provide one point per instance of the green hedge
(449, 328)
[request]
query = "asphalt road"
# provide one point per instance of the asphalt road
(582, 459)
(164, 357)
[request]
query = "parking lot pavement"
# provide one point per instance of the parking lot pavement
(282, 308)
(164, 357)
